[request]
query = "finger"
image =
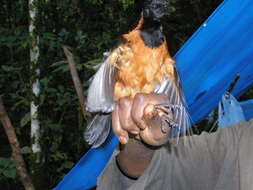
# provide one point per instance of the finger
(124, 113)
(153, 135)
(138, 106)
(150, 112)
(121, 133)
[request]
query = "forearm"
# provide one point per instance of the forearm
(135, 157)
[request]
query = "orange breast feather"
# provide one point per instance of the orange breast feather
(140, 68)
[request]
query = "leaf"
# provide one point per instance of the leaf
(9, 68)
(25, 119)
(61, 88)
(26, 150)
(50, 36)
(24, 44)
(62, 68)
(19, 103)
(11, 173)
(58, 63)
(5, 162)
(86, 84)
(68, 165)
(93, 64)
(42, 98)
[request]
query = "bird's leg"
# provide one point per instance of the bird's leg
(168, 108)
(167, 116)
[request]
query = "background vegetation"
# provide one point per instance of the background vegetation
(90, 27)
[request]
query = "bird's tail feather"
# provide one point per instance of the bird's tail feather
(98, 130)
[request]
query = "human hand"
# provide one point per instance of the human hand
(122, 122)
(140, 118)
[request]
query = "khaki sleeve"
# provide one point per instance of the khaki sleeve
(246, 155)
(112, 178)
(220, 160)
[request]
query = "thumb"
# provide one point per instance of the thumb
(117, 129)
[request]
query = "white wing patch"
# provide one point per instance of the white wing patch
(100, 92)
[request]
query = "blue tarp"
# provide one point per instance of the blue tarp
(84, 174)
(221, 48)
(247, 107)
(230, 111)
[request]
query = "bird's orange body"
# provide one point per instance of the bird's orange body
(140, 68)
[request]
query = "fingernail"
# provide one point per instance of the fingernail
(123, 140)
(135, 132)
(142, 125)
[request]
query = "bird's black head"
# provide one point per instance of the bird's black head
(156, 9)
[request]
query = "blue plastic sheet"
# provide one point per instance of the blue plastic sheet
(84, 174)
(230, 111)
(247, 107)
(207, 63)
(221, 48)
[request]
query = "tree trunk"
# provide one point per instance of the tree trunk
(77, 82)
(35, 73)
(35, 161)
(16, 152)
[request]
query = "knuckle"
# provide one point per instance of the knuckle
(150, 111)
(117, 131)
(123, 102)
(127, 124)
(135, 116)
(140, 97)
(137, 120)
(127, 127)
(165, 96)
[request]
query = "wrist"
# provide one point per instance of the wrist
(134, 157)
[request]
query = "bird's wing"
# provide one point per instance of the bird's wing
(100, 92)
(173, 90)
(98, 130)
(100, 99)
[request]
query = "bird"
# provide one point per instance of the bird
(141, 63)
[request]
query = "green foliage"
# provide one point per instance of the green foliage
(26, 150)
(7, 169)
(26, 119)
(127, 3)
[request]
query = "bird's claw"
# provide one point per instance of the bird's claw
(171, 122)
(167, 109)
